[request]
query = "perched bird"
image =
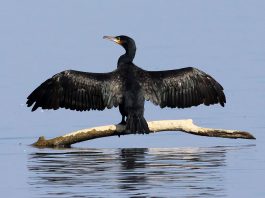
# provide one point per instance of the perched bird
(127, 87)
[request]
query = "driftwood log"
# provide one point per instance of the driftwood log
(155, 126)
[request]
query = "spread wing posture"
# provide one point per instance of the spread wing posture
(79, 91)
(181, 88)
(127, 87)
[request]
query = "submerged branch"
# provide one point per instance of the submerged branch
(154, 126)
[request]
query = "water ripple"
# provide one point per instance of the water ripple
(139, 172)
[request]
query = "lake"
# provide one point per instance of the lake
(225, 39)
(213, 171)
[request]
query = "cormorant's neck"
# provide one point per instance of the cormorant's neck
(128, 56)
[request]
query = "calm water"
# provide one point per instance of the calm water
(235, 170)
(131, 172)
(223, 38)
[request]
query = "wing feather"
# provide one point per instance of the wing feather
(79, 91)
(181, 88)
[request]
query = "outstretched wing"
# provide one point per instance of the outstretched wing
(79, 91)
(181, 88)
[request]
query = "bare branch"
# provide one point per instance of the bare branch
(155, 126)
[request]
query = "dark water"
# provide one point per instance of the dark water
(131, 172)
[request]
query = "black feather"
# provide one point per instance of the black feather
(181, 88)
(78, 91)
(127, 87)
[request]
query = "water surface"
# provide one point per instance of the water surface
(131, 172)
(223, 38)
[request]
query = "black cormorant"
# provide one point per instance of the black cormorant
(127, 87)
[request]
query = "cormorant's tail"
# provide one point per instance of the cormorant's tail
(136, 124)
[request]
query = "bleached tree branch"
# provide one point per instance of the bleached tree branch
(186, 126)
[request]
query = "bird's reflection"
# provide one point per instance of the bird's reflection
(132, 166)
(140, 172)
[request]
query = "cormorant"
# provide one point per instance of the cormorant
(128, 87)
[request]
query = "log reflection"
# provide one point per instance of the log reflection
(140, 172)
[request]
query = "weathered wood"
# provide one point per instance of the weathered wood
(155, 126)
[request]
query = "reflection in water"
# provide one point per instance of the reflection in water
(166, 172)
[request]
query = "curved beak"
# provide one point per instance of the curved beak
(113, 38)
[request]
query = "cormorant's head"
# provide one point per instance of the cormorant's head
(126, 42)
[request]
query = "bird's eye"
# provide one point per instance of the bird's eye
(118, 40)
